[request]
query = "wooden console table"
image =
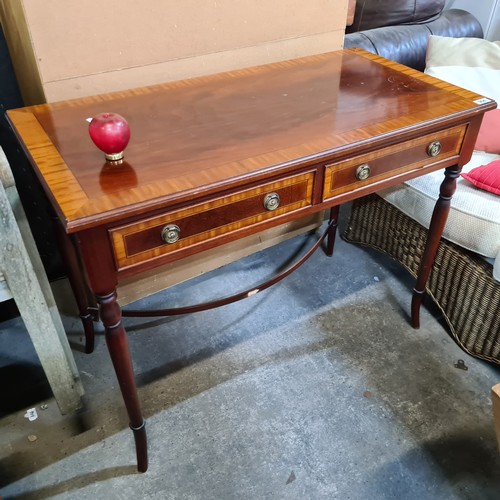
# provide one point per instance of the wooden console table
(219, 158)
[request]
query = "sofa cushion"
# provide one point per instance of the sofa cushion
(474, 64)
(474, 219)
(486, 177)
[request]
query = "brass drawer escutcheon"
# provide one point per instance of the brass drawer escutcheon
(272, 201)
(170, 233)
(434, 149)
(363, 172)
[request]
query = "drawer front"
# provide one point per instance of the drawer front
(360, 171)
(156, 236)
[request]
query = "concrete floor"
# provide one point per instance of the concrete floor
(315, 389)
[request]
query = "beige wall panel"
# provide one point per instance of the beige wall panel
(138, 76)
(115, 34)
(91, 46)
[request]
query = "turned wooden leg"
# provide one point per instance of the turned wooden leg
(332, 232)
(78, 285)
(116, 340)
(100, 269)
(438, 221)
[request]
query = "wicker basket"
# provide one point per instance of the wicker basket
(461, 282)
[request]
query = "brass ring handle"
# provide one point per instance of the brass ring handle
(272, 201)
(363, 172)
(170, 233)
(434, 148)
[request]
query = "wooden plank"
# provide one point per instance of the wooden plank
(25, 276)
(22, 53)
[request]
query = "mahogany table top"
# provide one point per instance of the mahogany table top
(193, 137)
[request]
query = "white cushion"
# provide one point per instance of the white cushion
(471, 63)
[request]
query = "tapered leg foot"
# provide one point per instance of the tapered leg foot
(436, 226)
(416, 302)
(117, 342)
(141, 447)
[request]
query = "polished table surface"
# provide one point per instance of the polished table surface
(206, 154)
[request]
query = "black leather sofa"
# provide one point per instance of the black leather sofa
(399, 29)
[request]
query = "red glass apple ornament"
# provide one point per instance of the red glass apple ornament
(110, 132)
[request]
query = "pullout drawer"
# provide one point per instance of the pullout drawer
(147, 239)
(360, 171)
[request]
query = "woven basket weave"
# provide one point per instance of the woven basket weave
(461, 282)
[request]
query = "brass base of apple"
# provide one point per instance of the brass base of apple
(114, 156)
